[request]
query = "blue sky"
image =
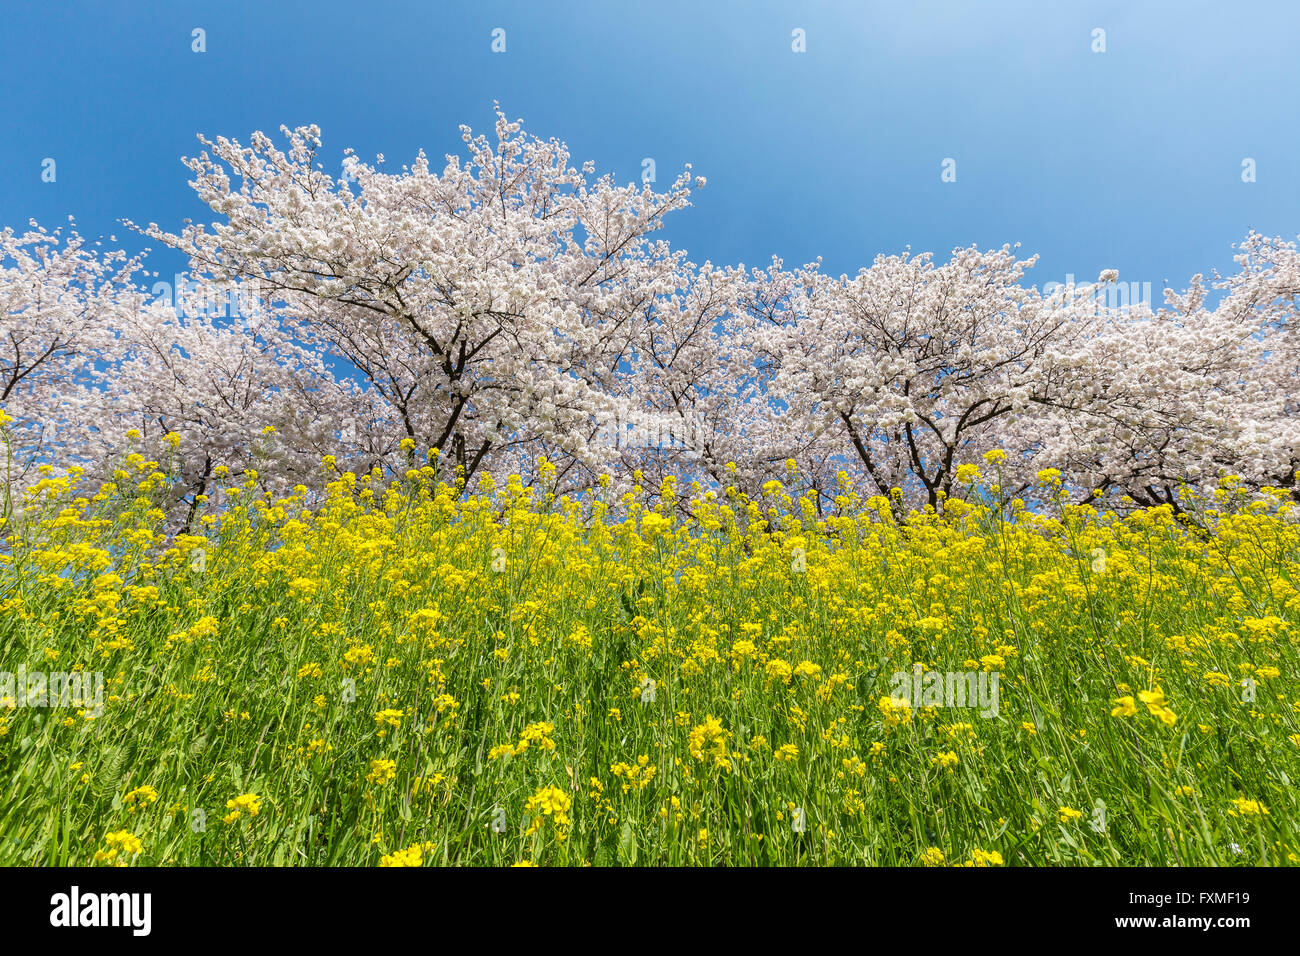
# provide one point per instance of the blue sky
(1131, 158)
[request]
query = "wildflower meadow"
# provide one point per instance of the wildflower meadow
(411, 672)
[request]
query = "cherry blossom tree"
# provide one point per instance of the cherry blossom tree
(95, 366)
(1191, 392)
(63, 307)
(510, 307)
(910, 369)
(488, 306)
(237, 394)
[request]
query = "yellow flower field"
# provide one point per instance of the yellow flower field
(412, 673)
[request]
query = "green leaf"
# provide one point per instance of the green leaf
(627, 845)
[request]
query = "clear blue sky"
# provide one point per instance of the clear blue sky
(1128, 159)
